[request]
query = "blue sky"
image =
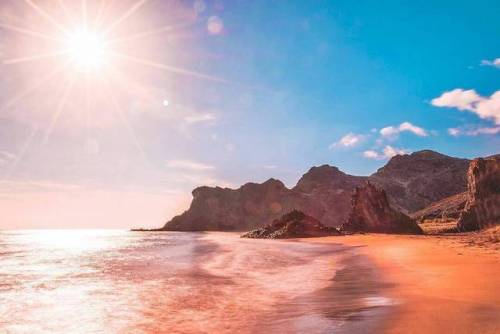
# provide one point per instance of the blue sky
(254, 89)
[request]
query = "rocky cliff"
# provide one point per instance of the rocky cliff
(294, 224)
(328, 191)
(323, 192)
(448, 208)
(414, 181)
(411, 182)
(371, 212)
(223, 209)
(482, 208)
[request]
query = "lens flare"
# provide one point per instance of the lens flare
(88, 50)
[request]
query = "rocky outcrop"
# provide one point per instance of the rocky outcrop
(371, 212)
(323, 192)
(242, 209)
(482, 208)
(414, 181)
(328, 191)
(294, 224)
(448, 208)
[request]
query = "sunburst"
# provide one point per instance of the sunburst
(77, 44)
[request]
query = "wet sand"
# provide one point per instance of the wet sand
(437, 284)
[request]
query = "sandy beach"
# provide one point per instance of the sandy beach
(438, 284)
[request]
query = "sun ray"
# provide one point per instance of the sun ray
(66, 10)
(121, 115)
(104, 5)
(84, 14)
(35, 86)
(28, 32)
(34, 57)
(20, 156)
(126, 15)
(87, 109)
(125, 82)
(172, 69)
(148, 33)
(44, 14)
(62, 103)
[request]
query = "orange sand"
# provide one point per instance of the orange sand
(441, 285)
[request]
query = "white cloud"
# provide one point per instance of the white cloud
(387, 153)
(6, 157)
(390, 151)
(392, 132)
(199, 118)
(389, 131)
(469, 100)
(229, 147)
(270, 167)
(371, 154)
(348, 141)
(494, 62)
(418, 131)
(457, 98)
(455, 132)
(187, 164)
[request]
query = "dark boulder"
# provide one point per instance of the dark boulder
(294, 224)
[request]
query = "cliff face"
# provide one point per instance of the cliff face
(323, 192)
(482, 208)
(328, 191)
(411, 182)
(447, 208)
(294, 224)
(223, 209)
(371, 212)
(414, 181)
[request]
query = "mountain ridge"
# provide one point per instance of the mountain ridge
(411, 181)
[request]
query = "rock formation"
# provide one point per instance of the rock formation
(328, 191)
(242, 209)
(414, 181)
(371, 212)
(411, 182)
(294, 224)
(482, 208)
(323, 192)
(448, 208)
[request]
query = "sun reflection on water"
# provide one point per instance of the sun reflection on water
(71, 240)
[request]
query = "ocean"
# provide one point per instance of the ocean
(114, 281)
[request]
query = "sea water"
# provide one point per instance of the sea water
(113, 281)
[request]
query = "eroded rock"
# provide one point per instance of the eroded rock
(371, 212)
(482, 208)
(294, 224)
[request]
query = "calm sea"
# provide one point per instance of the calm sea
(111, 281)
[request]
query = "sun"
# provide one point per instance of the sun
(88, 50)
(87, 54)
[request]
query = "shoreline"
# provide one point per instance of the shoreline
(438, 284)
(349, 294)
